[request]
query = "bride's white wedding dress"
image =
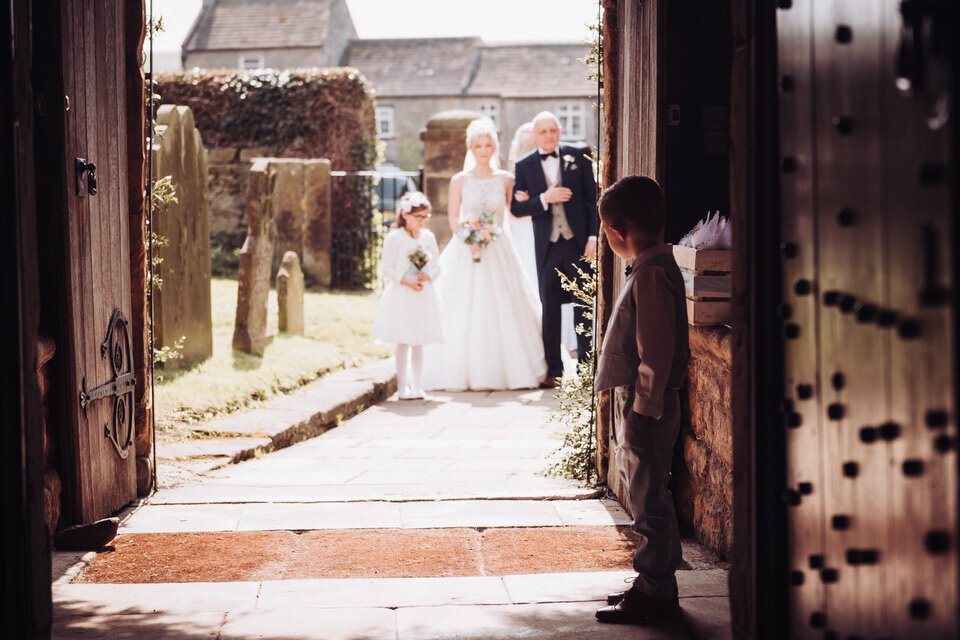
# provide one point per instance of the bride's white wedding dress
(491, 311)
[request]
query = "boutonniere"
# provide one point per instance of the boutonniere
(569, 162)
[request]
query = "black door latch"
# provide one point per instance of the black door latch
(86, 177)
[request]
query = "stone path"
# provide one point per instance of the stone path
(451, 477)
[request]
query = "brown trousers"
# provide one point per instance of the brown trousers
(643, 455)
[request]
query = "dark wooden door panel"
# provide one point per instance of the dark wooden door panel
(802, 418)
(923, 472)
(871, 460)
(98, 282)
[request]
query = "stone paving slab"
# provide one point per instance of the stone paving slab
(188, 517)
(556, 621)
(165, 518)
(131, 598)
(528, 606)
(142, 626)
(318, 624)
(382, 592)
(332, 515)
(518, 489)
(569, 587)
(203, 597)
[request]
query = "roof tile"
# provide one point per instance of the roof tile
(239, 24)
(415, 66)
(533, 71)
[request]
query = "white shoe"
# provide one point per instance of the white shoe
(416, 393)
(406, 394)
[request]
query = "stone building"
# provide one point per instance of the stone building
(416, 78)
(276, 34)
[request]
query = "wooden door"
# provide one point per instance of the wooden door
(868, 327)
(94, 346)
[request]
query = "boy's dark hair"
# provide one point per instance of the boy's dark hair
(634, 202)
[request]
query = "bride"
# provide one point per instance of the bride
(491, 310)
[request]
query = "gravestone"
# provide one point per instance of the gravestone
(256, 257)
(444, 148)
(287, 198)
(317, 226)
(290, 294)
(182, 305)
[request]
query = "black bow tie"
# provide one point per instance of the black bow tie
(627, 270)
(554, 154)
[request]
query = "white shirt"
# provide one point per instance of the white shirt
(551, 167)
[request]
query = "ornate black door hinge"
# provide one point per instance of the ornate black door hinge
(118, 347)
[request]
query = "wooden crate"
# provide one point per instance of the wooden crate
(702, 261)
(706, 278)
(706, 287)
(703, 314)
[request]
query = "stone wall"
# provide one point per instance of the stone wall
(228, 187)
(287, 58)
(182, 305)
(703, 466)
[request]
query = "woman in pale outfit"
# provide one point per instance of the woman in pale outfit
(521, 229)
(521, 232)
(409, 314)
(491, 311)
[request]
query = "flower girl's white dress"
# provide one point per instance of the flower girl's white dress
(406, 316)
(491, 311)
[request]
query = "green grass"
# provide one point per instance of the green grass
(337, 335)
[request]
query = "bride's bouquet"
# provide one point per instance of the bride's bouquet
(479, 231)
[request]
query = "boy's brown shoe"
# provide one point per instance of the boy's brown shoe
(635, 607)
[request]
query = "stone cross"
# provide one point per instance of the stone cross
(290, 294)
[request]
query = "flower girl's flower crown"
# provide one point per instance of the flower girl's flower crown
(413, 200)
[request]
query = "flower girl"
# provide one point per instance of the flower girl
(409, 314)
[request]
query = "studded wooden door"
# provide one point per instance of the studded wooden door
(868, 327)
(86, 248)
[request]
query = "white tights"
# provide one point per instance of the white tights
(409, 358)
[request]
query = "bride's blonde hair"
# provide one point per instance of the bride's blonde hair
(482, 127)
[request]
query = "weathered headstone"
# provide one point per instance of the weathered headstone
(182, 305)
(444, 147)
(316, 221)
(290, 294)
(256, 257)
(287, 198)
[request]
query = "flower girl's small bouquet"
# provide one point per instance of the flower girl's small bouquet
(479, 231)
(418, 261)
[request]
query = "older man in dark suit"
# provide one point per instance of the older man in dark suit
(562, 201)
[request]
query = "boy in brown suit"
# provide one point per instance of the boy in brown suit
(644, 360)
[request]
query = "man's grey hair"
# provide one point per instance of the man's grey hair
(546, 115)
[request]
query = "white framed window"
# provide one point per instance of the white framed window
(492, 111)
(251, 61)
(385, 123)
(572, 120)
